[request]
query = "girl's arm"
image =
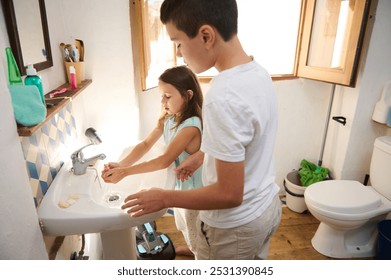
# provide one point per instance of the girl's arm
(136, 153)
(142, 148)
(174, 149)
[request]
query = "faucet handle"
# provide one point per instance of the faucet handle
(78, 153)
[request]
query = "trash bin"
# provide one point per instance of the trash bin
(294, 192)
(384, 240)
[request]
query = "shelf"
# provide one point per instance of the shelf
(59, 101)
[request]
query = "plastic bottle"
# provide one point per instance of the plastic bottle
(72, 77)
(33, 79)
(14, 77)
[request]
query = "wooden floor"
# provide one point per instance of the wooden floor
(292, 241)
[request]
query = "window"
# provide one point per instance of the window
(290, 38)
(154, 50)
(333, 33)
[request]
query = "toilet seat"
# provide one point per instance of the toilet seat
(342, 196)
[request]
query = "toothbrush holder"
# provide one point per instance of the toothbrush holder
(79, 67)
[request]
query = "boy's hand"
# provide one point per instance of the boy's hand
(145, 202)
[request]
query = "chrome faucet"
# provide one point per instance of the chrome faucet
(79, 163)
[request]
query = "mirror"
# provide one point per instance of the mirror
(28, 33)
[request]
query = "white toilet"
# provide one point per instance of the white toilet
(349, 212)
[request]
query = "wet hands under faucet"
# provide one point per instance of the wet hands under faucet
(113, 172)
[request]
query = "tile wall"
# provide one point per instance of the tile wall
(47, 149)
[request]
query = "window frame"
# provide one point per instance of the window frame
(346, 76)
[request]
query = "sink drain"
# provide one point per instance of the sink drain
(113, 197)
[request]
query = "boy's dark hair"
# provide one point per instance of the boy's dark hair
(189, 15)
(183, 79)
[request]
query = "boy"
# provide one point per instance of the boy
(239, 198)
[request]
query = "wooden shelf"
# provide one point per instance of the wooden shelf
(59, 101)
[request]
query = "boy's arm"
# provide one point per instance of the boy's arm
(227, 192)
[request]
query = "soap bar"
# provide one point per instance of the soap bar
(70, 201)
(63, 204)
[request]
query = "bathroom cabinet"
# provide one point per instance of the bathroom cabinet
(58, 102)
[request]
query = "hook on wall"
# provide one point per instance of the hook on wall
(340, 119)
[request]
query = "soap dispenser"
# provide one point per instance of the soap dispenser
(33, 79)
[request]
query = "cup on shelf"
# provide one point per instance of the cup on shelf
(79, 67)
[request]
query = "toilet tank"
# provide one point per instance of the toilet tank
(380, 166)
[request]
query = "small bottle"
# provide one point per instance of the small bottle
(72, 77)
(33, 79)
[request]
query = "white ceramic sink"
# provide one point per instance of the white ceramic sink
(94, 206)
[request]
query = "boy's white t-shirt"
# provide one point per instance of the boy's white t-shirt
(240, 124)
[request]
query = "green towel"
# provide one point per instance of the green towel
(311, 173)
(28, 107)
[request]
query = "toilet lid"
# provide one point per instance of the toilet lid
(348, 197)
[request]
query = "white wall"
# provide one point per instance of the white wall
(349, 148)
(20, 235)
(302, 106)
(110, 105)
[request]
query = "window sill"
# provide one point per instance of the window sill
(206, 80)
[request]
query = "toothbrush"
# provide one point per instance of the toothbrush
(75, 54)
(68, 57)
(51, 95)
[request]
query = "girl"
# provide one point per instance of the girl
(181, 127)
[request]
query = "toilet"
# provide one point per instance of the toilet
(349, 212)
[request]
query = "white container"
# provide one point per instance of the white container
(295, 192)
(383, 105)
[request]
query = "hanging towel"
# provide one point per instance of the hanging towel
(28, 107)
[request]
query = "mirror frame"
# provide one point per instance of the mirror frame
(13, 34)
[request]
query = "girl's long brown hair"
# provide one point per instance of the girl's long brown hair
(183, 79)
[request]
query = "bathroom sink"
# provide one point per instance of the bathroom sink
(79, 204)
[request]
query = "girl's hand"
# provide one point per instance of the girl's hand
(107, 167)
(114, 174)
(187, 168)
(110, 165)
